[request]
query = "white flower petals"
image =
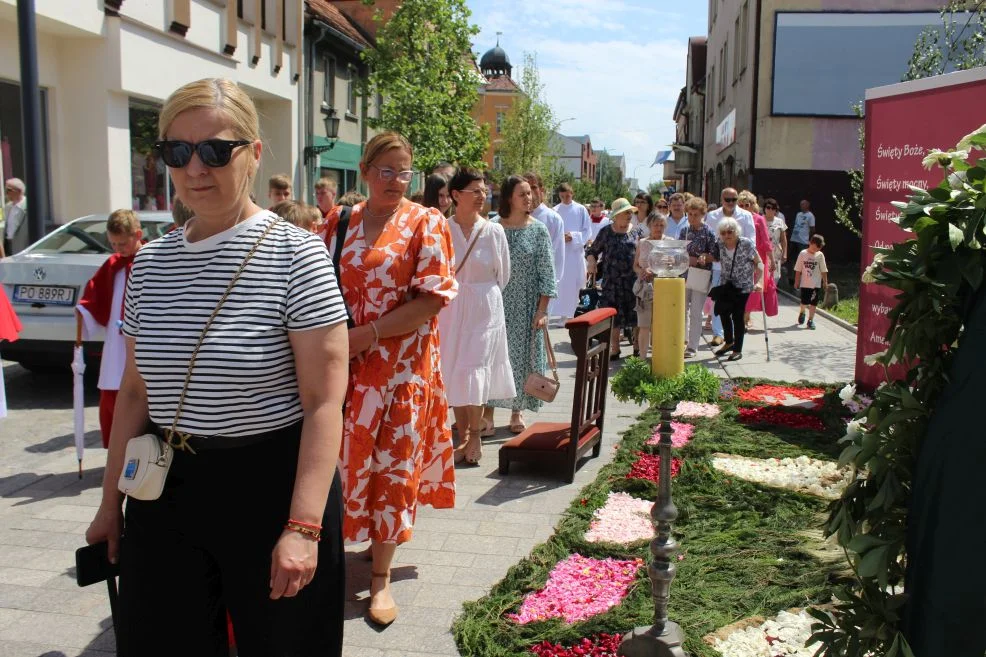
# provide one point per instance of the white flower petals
(803, 474)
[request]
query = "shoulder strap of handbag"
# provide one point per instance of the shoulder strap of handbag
(732, 265)
(552, 363)
(479, 233)
(342, 229)
(212, 317)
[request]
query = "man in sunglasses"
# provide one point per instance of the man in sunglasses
(728, 209)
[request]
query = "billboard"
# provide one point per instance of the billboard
(903, 122)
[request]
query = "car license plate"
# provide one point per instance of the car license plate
(54, 295)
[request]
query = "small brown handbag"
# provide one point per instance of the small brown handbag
(538, 385)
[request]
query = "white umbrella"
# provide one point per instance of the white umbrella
(79, 404)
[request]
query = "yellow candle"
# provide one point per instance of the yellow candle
(668, 324)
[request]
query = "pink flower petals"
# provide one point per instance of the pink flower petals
(682, 434)
(579, 588)
(623, 519)
(695, 409)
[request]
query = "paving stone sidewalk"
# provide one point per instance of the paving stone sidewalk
(456, 555)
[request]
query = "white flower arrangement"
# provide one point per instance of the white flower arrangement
(803, 474)
(783, 636)
(847, 393)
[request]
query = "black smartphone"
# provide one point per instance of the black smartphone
(92, 564)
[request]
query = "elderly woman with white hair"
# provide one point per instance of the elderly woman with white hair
(741, 267)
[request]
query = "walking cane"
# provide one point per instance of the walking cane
(766, 334)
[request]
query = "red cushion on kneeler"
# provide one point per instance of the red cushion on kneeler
(549, 436)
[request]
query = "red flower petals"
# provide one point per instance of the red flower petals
(777, 417)
(599, 645)
(771, 394)
(648, 466)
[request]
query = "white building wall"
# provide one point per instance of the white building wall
(92, 65)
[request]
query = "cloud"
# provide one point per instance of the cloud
(616, 66)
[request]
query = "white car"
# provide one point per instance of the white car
(45, 281)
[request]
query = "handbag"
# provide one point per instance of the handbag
(148, 457)
(698, 279)
(538, 385)
(588, 297)
(726, 294)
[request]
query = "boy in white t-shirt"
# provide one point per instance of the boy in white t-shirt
(810, 275)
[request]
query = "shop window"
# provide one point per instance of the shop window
(352, 94)
(150, 182)
(12, 164)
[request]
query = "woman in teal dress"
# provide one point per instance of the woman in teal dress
(525, 299)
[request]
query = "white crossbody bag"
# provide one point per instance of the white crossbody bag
(148, 457)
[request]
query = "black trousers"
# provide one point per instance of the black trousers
(204, 548)
(733, 323)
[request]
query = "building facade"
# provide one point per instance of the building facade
(497, 94)
(334, 41)
(781, 80)
(574, 155)
(689, 118)
(105, 69)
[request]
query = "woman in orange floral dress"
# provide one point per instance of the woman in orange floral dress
(396, 275)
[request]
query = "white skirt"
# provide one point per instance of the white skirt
(473, 346)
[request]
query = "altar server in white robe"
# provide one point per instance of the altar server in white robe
(551, 220)
(578, 231)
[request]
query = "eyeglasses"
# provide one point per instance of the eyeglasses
(727, 231)
(662, 207)
(214, 153)
(387, 174)
(731, 199)
(770, 207)
(479, 193)
(12, 189)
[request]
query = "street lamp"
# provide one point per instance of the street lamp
(331, 132)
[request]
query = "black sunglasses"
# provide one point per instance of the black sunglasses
(214, 153)
(731, 199)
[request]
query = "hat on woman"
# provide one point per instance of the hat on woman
(620, 206)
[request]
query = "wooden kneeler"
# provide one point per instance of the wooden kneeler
(563, 444)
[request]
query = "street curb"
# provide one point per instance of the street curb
(829, 316)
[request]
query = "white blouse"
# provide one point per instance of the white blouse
(489, 260)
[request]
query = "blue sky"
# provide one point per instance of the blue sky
(615, 66)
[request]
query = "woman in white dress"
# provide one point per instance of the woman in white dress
(475, 361)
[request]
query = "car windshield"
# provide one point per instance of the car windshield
(89, 236)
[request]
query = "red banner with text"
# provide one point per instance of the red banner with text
(901, 128)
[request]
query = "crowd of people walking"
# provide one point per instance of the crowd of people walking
(303, 396)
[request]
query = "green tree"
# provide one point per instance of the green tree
(611, 184)
(958, 44)
(528, 129)
(422, 68)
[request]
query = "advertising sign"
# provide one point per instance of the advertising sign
(726, 132)
(903, 122)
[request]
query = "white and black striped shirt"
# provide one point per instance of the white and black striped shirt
(244, 381)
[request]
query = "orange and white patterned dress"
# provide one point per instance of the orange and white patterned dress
(397, 447)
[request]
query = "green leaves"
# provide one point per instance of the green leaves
(955, 236)
(422, 68)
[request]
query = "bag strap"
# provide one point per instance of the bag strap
(198, 345)
(475, 239)
(342, 229)
(552, 363)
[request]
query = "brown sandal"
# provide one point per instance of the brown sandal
(382, 615)
(517, 424)
(474, 449)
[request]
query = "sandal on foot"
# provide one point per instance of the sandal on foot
(517, 424)
(736, 355)
(382, 615)
(488, 429)
(474, 451)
